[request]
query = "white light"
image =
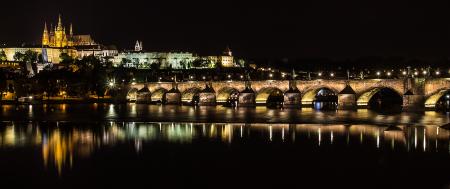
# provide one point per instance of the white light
(204, 77)
(319, 74)
(229, 76)
(389, 73)
(378, 73)
(416, 73)
(270, 75)
(404, 72)
(133, 83)
(332, 74)
(424, 72)
(437, 72)
(242, 76)
(30, 97)
(111, 84)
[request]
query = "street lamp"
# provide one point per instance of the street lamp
(404, 72)
(438, 73)
(332, 74)
(270, 75)
(320, 74)
(389, 73)
(416, 73)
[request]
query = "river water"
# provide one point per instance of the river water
(149, 146)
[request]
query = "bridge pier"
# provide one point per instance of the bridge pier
(173, 96)
(207, 97)
(292, 99)
(143, 96)
(413, 102)
(347, 99)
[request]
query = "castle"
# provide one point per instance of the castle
(57, 37)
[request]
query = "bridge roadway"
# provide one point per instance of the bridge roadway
(417, 93)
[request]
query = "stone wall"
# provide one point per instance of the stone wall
(426, 88)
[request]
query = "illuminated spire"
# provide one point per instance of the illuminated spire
(45, 27)
(45, 37)
(60, 27)
(71, 30)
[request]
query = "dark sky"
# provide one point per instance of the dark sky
(254, 29)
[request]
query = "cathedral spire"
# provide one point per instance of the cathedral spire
(71, 30)
(45, 36)
(59, 23)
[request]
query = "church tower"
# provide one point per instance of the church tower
(138, 47)
(45, 36)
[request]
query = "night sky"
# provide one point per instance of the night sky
(256, 29)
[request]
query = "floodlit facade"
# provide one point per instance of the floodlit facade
(144, 60)
(58, 37)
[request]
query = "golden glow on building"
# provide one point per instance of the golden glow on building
(59, 38)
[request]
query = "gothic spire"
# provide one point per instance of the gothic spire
(71, 30)
(60, 27)
(45, 27)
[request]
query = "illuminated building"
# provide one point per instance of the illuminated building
(175, 60)
(58, 37)
(225, 60)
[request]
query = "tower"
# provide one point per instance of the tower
(45, 36)
(138, 46)
(227, 52)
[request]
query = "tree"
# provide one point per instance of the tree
(66, 59)
(3, 56)
(18, 56)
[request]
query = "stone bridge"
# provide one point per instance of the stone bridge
(416, 93)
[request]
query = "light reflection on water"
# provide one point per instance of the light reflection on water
(156, 113)
(62, 143)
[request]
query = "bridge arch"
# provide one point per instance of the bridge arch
(132, 94)
(432, 102)
(158, 95)
(309, 96)
(379, 96)
(227, 93)
(191, 95)
(265, 95)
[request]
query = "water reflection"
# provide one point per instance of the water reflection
(155, 113)
(62, 143)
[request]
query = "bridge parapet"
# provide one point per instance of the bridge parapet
(362, 88)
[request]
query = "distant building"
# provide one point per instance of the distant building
(225, 60)
(57, 41)
(144, 60)
(57, 37)
(175, 60)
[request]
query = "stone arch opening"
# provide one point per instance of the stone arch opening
(158, 95)
(191, 96)
(228, 96)
(322, 98)
(132, 95)
(439, 101)
(270, 96)
(380, 98)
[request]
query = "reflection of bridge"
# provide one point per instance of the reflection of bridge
(416, 93)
